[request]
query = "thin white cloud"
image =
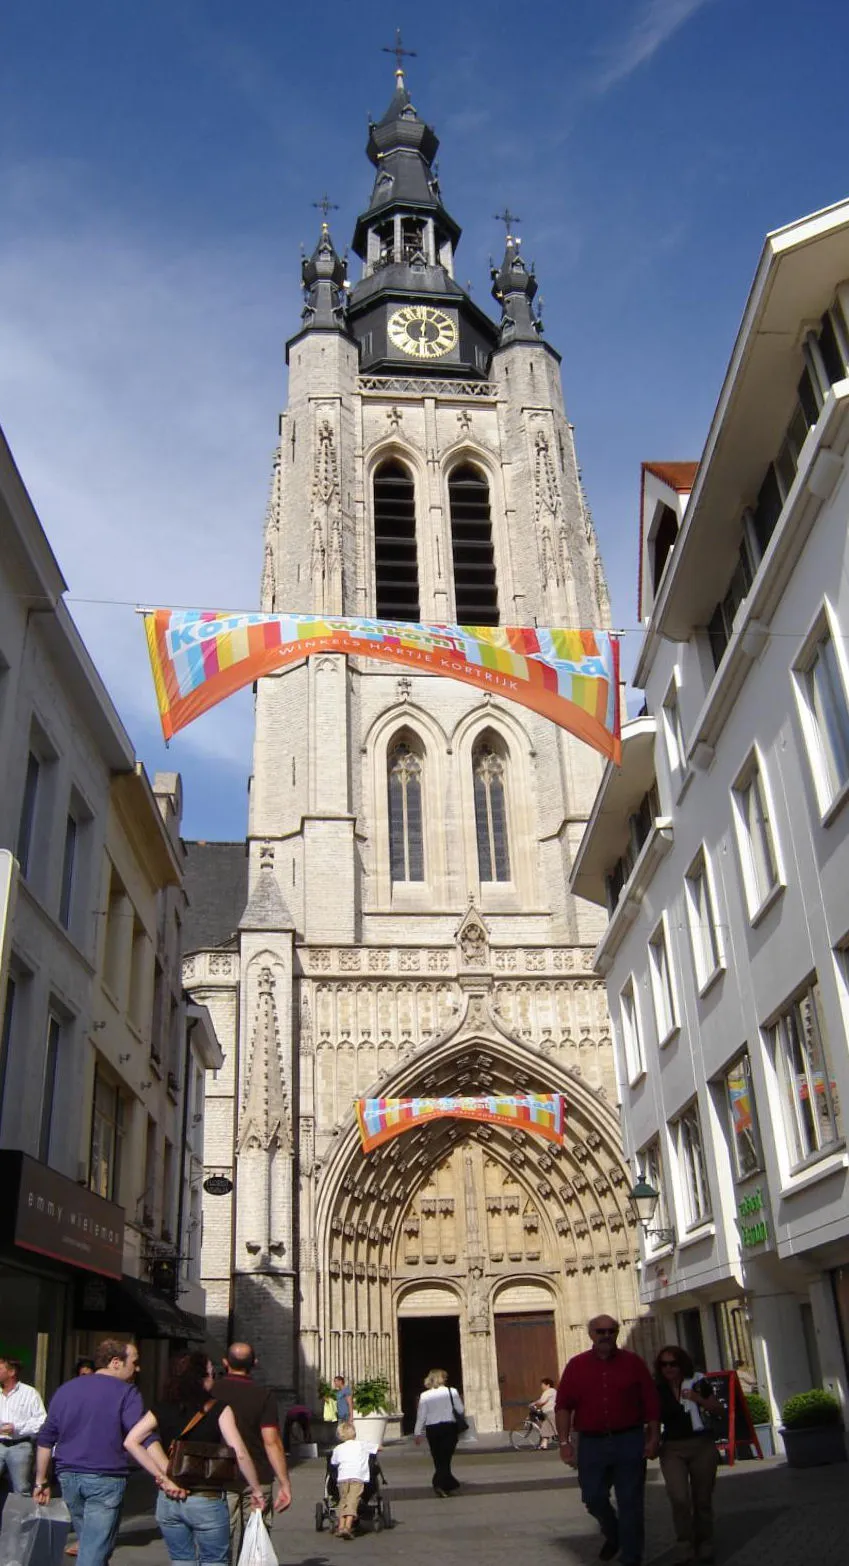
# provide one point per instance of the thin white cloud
(655, 22)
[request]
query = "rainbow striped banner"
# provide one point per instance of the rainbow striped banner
(380, 1119)
(199, 657)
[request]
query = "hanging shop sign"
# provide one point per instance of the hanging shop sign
(199, 657)
(58, 1218)
(380, 1119)
(218, 1185)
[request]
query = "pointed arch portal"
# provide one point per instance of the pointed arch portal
(468, 1224)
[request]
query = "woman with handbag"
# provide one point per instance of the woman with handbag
(441, 1419)
(204, 1448)
(688, 1455)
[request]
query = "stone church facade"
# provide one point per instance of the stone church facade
(398, 922)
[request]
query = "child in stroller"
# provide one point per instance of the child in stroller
(353, 1488)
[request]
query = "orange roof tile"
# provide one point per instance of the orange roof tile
(678, 475)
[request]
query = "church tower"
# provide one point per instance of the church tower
(405, 927)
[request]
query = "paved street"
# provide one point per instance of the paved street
(522, 1507)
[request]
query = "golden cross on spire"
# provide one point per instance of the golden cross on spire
(399, 52)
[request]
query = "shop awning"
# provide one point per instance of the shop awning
(133, 1306)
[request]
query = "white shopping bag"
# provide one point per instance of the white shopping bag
(33, 1535)
(257, 1548)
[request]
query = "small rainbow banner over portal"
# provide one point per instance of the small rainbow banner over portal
(380, 1119)
(199, 657)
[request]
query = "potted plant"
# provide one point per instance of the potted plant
(371, 1406)
(812, 1429)
(759, 1413)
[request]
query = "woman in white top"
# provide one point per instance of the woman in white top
(544, 1405)
(435, 1419)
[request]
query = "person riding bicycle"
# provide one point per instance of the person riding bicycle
(543, 1406)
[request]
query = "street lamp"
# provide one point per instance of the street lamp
(643, 1200)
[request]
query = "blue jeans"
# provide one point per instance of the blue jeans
(94, 1502)
(617, 1460)
(16, 1460)
(197, 1529)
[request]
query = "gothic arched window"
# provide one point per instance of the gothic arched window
(396, 569)
(489, 770)
(475, 592)
(406, 838)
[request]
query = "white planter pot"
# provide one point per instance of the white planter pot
(370, 1428)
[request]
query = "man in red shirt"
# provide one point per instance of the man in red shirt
(608, 1397)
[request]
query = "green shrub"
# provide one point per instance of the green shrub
(371, 1395)
(324, 1389)
(758, 1409)
(808, 1410)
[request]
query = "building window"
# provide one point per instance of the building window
(406, 837)
(396, 570)
(826, 714)
(48, 1090)
(704, 936)
(662, 542)
(721, 622)
(28, 810)
(475, 592)
(107, 1138)
(651, 1166)
(742, 1118)
(755, 836)
(687, 1132)
(69, 854)
(663, 994)
(673, 731)
(491, 814)
(809, 1098)
(632, 1039)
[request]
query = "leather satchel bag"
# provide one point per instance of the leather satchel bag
(460, 1420)
(201, 1465)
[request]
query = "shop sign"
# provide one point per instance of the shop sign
(218, 1185)
(58, 1218)
(753, 1218)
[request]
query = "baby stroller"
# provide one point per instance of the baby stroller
(374, 1508)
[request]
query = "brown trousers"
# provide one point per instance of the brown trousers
(689, 1471)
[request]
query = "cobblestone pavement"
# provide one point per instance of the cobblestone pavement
(525, 1508)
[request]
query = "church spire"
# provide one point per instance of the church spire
(324, 275)
(514, 286)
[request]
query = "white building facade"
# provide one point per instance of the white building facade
(101, 1065)
(399, 922)
(721, 849)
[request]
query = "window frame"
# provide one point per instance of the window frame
(650, 1165)
(406, 740)
(699, 872)
(692, 1171)
(758, 898)
(780, 1047)
(728, 1102)
(53, 1038)
(673, 731)
(119, 1126)
(486, 743)
(662, 983)
(630, 1024)
(824, 629)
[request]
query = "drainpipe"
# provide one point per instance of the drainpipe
(191, 1024)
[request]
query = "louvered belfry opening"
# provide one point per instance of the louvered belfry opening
(396, 567)
(475, 591)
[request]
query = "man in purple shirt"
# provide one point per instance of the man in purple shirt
(86, 1423)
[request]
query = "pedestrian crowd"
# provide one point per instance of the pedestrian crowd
(213, 1445)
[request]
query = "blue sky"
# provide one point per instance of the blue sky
(157, 168)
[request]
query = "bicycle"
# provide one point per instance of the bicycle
(527, 1437)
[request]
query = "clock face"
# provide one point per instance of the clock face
(422, 331)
